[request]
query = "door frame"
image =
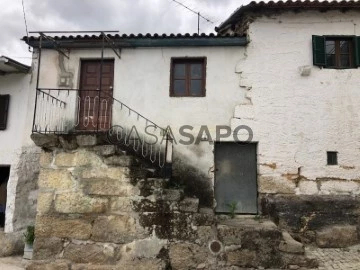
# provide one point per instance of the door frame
(258, 204)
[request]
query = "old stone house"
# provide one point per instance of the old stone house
(19, 157)
(148, 140)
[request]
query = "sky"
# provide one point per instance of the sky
(126, 16)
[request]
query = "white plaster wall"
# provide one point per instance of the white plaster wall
(15, 140)
(295, 118)
(142, 80)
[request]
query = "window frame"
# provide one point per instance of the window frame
(337, 40)
(188, 61)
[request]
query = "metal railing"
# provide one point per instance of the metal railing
(66, 111)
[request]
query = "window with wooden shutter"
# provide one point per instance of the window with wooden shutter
(338, 52)
(4, 108)
(357, 51)
(319, 58)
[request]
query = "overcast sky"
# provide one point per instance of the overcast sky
(127, 16)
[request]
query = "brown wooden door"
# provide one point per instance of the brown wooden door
(95, 102)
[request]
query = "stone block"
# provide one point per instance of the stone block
(142, 264)
(187, 255)
(289, 245)
(68, 142)
(86, 140)
(105, 150)
(109, 187)
(116, 229)
(45, 159)
(269, 184)
(242, 257)
(76, 202)
(189, 205)
(44, 202)
(120, 204)
(94, 267)
(11, 244)
(62, 228)
(48, 265)
(172, 194)
(121, 161)
(201, 219)
(337, 236)
(205, 234)
(118, 173)
(55, 179)
(90, 253)
(47, 248)
(144, 248)
(46, 141)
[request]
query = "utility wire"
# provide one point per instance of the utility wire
(26, 27)
(193, 11)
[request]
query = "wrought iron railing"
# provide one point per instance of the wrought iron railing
(66, 111)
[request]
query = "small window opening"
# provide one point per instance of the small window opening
(332, 158)
(4, 177)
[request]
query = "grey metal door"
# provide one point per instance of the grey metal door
(235, 177)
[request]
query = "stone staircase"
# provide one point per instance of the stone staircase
(100, 208)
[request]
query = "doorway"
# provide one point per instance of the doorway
(94, 107)
(4, 178)
(236, 178)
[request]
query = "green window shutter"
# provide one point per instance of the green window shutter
(319, 58)
(357, 51)
(4, 106)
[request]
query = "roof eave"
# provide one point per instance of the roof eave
(19, 67)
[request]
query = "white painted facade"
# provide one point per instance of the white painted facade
(16, 148)
(296, 119)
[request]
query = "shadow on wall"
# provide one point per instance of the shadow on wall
(4, 177)
(194, 182)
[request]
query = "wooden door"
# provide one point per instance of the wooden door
(95, 102)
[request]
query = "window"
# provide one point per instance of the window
(336, 51)
(187, 77)
(332, 158)
(4, 106)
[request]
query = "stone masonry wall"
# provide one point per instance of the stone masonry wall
(99, 209)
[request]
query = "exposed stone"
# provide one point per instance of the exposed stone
(94, 267)
(62, 227)
(68, 142)
(205, 234)
(45, 248)
(79, 158)
(46, 141)
(203, 219)
(44, 202)
(11, 244)
(189, 205)
(120, 204)
(337, 236)
(76, 202)
(105, 150)
(289, 245)
(142, 264)
(108, 186)
(186, 255)
(145, 248)
(269, 184)
(118, 173)
(45, 159)
(86, 140)
(242, 257)
(116, 229)
(121, 161)
(55, 179)
(171, 194)
(48, 265)
(90, 253)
